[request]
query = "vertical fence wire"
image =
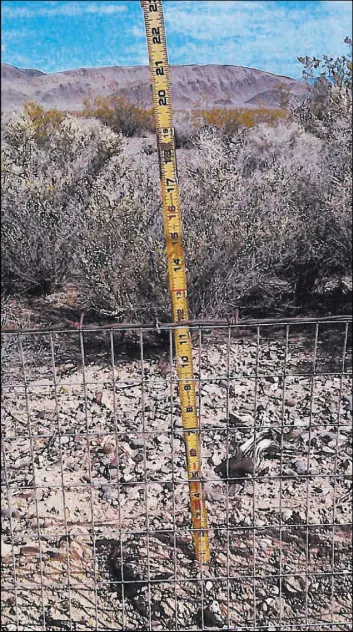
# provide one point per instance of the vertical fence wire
(307, 506)
(227, 487)
(281, 470)
(31, 447)
(146, 481)
(335, 471)
(117, 461)
(256, 386)
(199, 413)
(90, 478)
(5, 481)
(62, 476)
(172, 485)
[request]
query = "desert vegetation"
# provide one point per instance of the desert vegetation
(119, 113)
(231, 120)
(266, 205)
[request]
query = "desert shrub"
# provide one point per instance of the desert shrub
(119, 113)
(184, 129)
(327, 115)
(230, 121)
(328, 108)
(45, 189)
(338, 69)
(74, 211)
(267, 221)
(44, 122)
(121, 266)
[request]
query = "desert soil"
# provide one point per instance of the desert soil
(94, 486)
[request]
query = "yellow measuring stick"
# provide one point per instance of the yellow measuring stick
(162, 108)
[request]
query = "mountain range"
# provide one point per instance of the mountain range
(193, 86)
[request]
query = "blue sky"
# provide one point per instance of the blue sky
(264, 34)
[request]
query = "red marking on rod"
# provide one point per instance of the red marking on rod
(197, 505)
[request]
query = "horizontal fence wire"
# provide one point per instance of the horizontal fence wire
(96, 529)
(214, 322)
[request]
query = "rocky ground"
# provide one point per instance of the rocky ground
(94, 486)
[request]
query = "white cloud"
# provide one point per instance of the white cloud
(14, 34)
(21, 60)
(206, 20)
(137, 31)
(262, 34)
(15, 12)
(53, 9)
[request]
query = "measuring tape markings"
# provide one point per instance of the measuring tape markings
(161, 95)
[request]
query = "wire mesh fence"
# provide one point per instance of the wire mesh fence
(96, 529)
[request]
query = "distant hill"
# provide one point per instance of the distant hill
(192, 86)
